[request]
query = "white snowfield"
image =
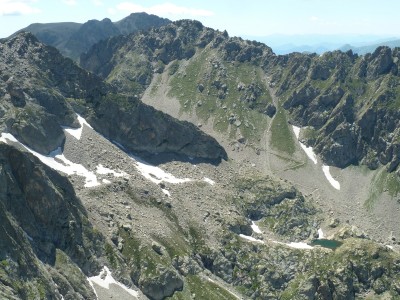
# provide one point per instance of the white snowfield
(257, 229)
(250, 238)
(308, 150)
(156, 174)
(328, 176)
(105, 279)
(299, 245)
(209, 181)
(104, 171)
(57, 161)
(311, 155)
(320, 234)
(77, 132)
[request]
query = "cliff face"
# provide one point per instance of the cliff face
(42, 223)
(349, 102)
(199, 234)
(40, 88)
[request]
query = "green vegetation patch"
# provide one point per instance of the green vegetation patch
(233, 95)
(282, 136)
(382, 182)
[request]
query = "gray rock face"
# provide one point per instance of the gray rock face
(51, 85)
(141, 128)
(40, 215)
(380, 62)
(164, 285)
(353, 125)
(36, 82)
(38, 129)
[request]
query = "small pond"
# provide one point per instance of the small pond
(331, 244)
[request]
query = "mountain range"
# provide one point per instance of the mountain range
(178, 162)
(317, 43)
(73, 39)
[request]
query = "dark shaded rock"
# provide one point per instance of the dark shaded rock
(162, 285)
(380, 62)
(304, 96)
(270, 110)
(17, 95)
(40, 215)
(37, 129)
(140, 128)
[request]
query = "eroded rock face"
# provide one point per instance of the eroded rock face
(40, 216)
(40, 87)
(141, 128)
(350, 101)
(164, 285)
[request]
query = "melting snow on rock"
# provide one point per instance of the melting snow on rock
(100, 169)
(250, 238)
(255, 228)
(156, 174)
(77, 132)
(299, 245)
(208, 180)
(104, 279)
(308, 150)
(310, 153)
(320, 234)
(57, 161)
(328, 176)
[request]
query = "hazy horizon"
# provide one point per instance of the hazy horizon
(256, 18)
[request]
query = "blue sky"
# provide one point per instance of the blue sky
(243, 18)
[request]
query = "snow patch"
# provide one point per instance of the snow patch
(389, 247)
(166, 192)
(94, 290)
(250, 238)
(57, 161)
(106, 181)
(104, 171)
(328, 176)
(308, 150)
(255, 228)
(153, 173)
(296, 131)
(208, 180)
(300, 245)
(77, 132)
(320, 234)
(156, 174)
(5, 137)
(104, 279)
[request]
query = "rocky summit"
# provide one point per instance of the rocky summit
(177, 162)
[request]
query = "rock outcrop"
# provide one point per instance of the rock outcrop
(350, 101)
(43, 91)
(42, 223)
(140, 128)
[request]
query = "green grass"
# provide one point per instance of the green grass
(197, 287)
(382, 182)
(282, 137)
(207, 104)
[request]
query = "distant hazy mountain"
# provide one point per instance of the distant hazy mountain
(285, 44)
(73, 39)
(371, 48)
